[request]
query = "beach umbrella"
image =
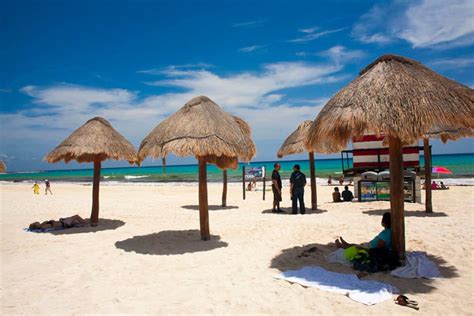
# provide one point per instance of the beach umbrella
(294, 144)
(444, 134)
(401, 99)
(441, 170)
(3, 167)
(95, 141)
(201, 129)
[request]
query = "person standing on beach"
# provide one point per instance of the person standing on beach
(36, 188)
(48, 187)
(276, 188)
(297, 184)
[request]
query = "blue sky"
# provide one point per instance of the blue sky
(275, 63)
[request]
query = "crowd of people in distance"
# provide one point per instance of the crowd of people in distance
(36, 188)
(436, 186)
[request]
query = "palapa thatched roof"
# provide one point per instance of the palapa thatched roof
(3, 167)
(294, 144)
(449, 133)
(394, 96)
(95, 137)
(202, 129)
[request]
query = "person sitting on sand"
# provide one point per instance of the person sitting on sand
(442, 186)
(434, 186)
(336, 196)
(67, 222)
(347, 195)
(382, 240)
(341, 180)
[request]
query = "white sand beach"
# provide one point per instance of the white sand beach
(146, 255)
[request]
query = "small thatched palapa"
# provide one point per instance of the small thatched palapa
(3, 167)
(94, 141)
(402, 99)
(201, 129)
(295, 144)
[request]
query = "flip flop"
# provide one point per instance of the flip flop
(402, 300)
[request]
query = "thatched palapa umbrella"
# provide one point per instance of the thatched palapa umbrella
(201, 129)
(294, 144)
(401, 99)
(3, 167)
(445, 134)
(94, 141)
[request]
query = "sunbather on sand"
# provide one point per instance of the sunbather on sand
(382, 240)
(67, 222)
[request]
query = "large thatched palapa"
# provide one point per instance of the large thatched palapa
(294, 144)
(444, 134)
(402, 99)
(94, 141)
(201, 129)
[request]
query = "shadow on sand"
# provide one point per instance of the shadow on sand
(211, 207)
(170, 242)
(408, 213)
(313, 254)
(104, 224)
(288, 210)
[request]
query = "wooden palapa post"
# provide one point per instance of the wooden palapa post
(163, 164)
(94, 221)
(314, 198)
(427, 155)
(203, 205)
(397, 196)
(224, 188)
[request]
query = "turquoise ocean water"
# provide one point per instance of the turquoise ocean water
(462, 165)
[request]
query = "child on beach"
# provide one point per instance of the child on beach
(36, 188)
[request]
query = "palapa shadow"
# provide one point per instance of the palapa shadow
(170, 242)
(408, 213)
(104, 224)
(288, 211)
(210, 207)
(313, 255)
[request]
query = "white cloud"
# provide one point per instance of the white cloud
(250, 49)
(311, 34)
(158, 71)
(423, 23)
(249, 24)
(453, 63)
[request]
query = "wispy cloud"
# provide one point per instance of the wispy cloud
(250, 49)
(5, 90)
(453, 63)
(314, 33)
(250, 24)
(341, 54)
(157, 71)
(433, 24)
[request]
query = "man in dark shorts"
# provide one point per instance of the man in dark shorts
(297, 184)
(347, 195)
(48, 187)
(276, 188)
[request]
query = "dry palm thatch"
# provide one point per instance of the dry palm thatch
(294, 144)
(96, 138)
(3, 167)
(94, 141)
(201, 129)
(395, 96)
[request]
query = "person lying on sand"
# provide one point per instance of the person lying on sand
(382, 240)
(67, 222)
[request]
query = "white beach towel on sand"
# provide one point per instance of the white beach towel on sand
(363, 291)
(337, 257)
(417, 266)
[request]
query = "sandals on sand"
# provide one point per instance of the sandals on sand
(402, 300)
